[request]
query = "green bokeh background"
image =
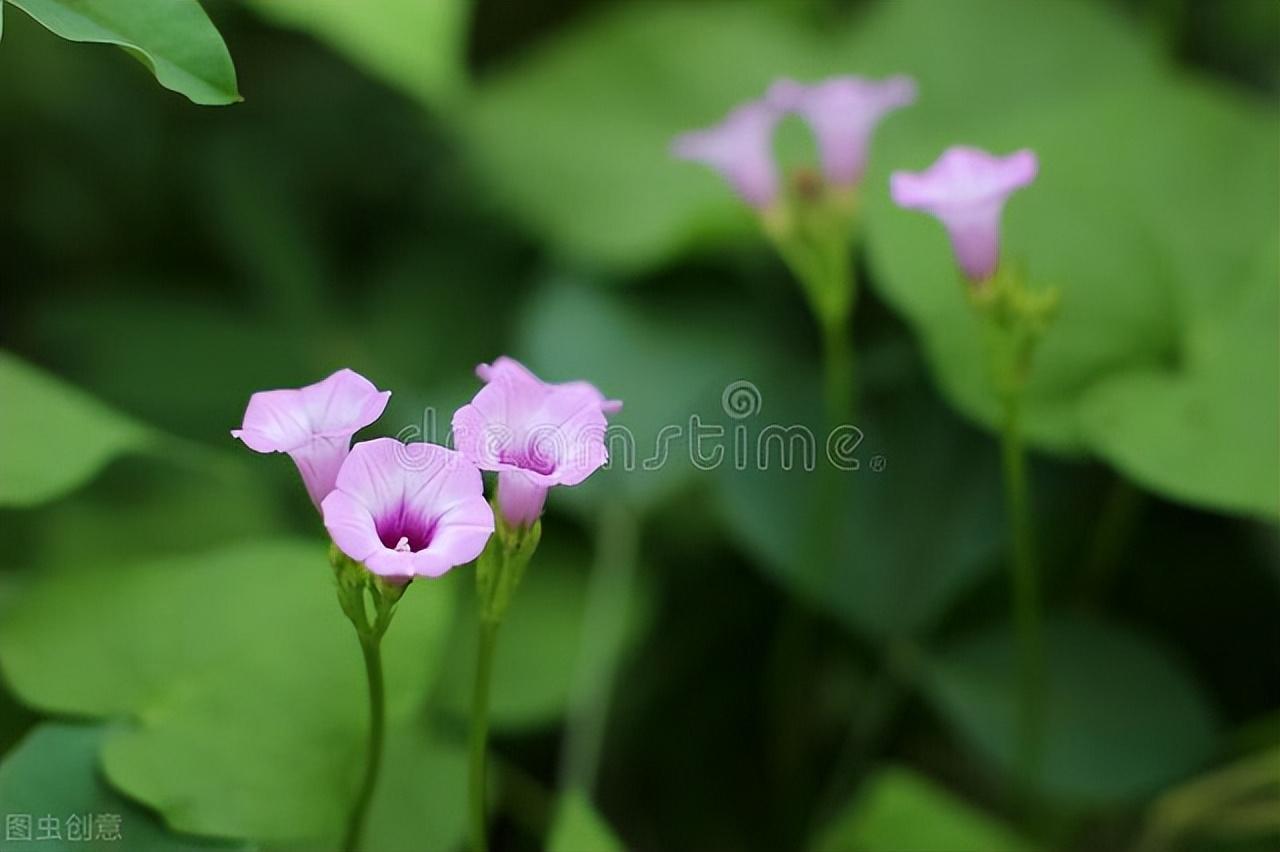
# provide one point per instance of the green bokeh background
(411, 187)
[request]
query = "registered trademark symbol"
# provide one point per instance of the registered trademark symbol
(878, 463)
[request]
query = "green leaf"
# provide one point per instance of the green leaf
(415, 45)
(649, 355)
(421, 798)
(1164, 254)
(905, 544)
(899, 809)
(538, 644)
(577, 827)
(171, 509)
(55, 437)
(1123, 719)
(54, 772)
(575, 138)
(239, 680)
(174, 38)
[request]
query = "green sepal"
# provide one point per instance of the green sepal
(1014, 317)
(501, 566)
(812, 228)
(368, 600)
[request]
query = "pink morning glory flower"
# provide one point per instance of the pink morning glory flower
(406, 510)
(313, 425)
(533, 433)
(843, 113)
(740, 148)
(966, 189)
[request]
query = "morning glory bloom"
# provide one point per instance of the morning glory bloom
(740, 148)
(966, 189)
(313, 425)
(406, 510)
(843, 113)
(533, 433)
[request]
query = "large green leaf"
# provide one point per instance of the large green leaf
(421, 799)
(577, 827)
(174, 38)
(897, 809)
(53, 437)
(1164, 252)
(667, 361)
(237, 677)
(417, 45)
(54, 772)
(913, 526)
(1123, 719)
(538, 645)
(575, 136)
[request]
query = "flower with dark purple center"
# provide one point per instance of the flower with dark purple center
(406, 510)
(535, 434)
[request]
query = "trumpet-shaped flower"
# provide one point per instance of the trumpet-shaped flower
(740, 148)
(533, 433)
(406, 510)
(966, 189)
(843, 113)
(313, 425)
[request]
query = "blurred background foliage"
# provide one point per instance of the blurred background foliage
(410, 188)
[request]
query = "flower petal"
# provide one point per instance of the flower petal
(843, 113)
(966, 190)
(740, 148)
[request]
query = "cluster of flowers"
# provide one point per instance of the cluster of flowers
(418, 509)
(966, 188)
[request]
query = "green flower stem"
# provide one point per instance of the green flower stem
(498, 573)
(838, 372)
(357, 589)
(476, 787)
(1027, 617)
(372, 648)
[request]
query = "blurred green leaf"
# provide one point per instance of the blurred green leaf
(174, 38)
(538, 645)
(1123, 719)
(417, 45)
(213, 358)
(151, 508)
(55, 437)
(421, 799)
(898, 809)
(239, 678)
(54, 771)
(904, 548)
(666, 361)
(1164, 252)
(577, 827)
(575, 136)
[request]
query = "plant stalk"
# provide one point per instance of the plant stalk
(476, 788)
(372, 648)
(1027, 617)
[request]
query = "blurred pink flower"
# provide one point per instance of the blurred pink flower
(966, 189)
(406, 510)
(843, 113)
(740, 148)
(533, 433)
(313, 425)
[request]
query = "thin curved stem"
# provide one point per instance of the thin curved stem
(371, 646)
(1025, 581)
(476, 792)
(838, 372)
